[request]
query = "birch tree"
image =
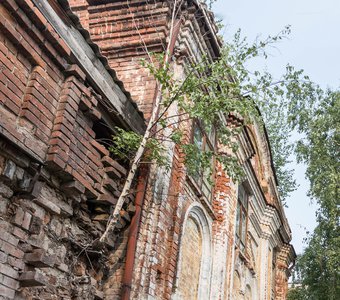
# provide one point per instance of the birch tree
(211, 92)
(142, 146)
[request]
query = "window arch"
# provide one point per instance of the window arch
(194, 264)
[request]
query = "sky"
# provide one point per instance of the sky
(314, 45)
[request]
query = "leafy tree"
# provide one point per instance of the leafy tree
(211, 92)
(296, 293)
(296, 290)
(319, 124)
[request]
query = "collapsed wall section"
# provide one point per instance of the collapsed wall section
(58, 182)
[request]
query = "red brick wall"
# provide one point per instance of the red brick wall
(125, 31)
(224, 205)
(281, 274)
(57, 183)
(281, 284)
(158, 246)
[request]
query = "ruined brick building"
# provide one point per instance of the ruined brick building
(70, 72)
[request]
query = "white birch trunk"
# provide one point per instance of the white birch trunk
(127, 186)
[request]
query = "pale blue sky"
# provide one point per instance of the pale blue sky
(314, 46)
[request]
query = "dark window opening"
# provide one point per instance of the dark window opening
(242, 217)
(103, 133)
(204, 140)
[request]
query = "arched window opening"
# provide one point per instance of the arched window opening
(194, 264)
(190, 261)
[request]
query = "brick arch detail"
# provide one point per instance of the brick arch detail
(197, 213)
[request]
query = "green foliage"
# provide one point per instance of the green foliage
(319, 149)
(211, 91)
(320, 263)
(125, 144)
(271, 97)
(154, 152)
(196, 160)
(296, 293)
(319, 124)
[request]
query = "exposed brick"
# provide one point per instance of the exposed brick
(5, 190)
(10, 249)
(107, 199)
(9, 282)
(3, 257)
(36, 225)
(9, 169)
(16, 263)
(32, 278)
(5, 236)
(73, 187)
(19, 216)
(55, 162)
(6, 292)
(26, 221)
(63, 267)
(108, 161)
(48, 107)
(40, 259)
(9, 271)
(48, 205)
(76, 71)
(100, 148)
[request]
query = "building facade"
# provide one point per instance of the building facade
(70, 73)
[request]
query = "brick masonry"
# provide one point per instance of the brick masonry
(58, 182)
(134, 26)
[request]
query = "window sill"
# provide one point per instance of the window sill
(198, 192)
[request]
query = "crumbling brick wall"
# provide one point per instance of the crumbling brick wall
(124, 30)
(127, 32)
(57, 182)
(282, 270)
